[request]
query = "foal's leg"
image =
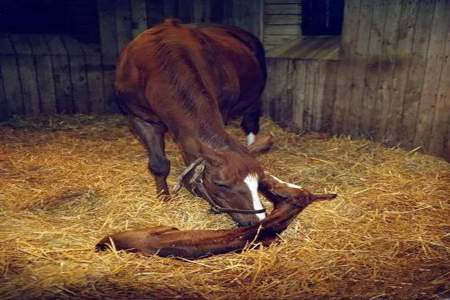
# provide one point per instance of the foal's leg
(152, 136)
(250, 122)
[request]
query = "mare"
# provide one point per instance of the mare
(189, 81)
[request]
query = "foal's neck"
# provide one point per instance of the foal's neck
(278, 220)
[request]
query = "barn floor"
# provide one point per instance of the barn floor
(65, 182)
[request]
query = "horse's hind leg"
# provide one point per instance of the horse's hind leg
(152, 136)
(250, 122)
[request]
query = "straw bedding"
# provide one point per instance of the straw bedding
(65, 182)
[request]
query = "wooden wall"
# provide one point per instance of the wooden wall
(282, 22)
(47, 74)
(391, 83)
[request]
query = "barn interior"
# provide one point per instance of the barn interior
(358, 102)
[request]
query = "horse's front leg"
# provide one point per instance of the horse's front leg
(152, 136)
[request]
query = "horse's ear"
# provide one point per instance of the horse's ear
(262, 144)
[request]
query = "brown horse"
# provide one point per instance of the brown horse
(189, 81)
(289, 200)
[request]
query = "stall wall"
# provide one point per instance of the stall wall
(391, 82)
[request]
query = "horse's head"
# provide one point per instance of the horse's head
(231, 180)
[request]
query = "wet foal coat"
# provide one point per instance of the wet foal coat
(289, 200)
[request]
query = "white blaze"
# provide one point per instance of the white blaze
(291, 185)
(250, 138)
(252, 182)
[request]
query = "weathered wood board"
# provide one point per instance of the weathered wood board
(44, 73)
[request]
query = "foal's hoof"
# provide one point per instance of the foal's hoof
(262, 144)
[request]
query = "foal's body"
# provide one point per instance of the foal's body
(288, 201)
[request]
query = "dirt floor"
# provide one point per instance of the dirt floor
(65, 182)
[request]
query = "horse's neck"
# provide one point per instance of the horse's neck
(211, 135)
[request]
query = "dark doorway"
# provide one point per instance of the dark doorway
(322, 17)
(77, 18)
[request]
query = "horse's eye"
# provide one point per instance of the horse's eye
(221, 183)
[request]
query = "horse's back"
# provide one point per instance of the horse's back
(173, 61)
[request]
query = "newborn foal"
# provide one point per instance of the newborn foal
(288, 199)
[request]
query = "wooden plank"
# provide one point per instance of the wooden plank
(278, 39)
(94, 77)
(246, 14)
(123, 23)
(388, 53)
(329, 96)
(406, 30)
(310, 95)
(268, 90)
(319, 95)
(278, 68)
(435, 62)
(4, 109)
(441, 120)
(282, 30)
(416, 75)
(346, 66)
(355, 107)
(138, 17)
(108, 42)
(170, 8)
(281, 1)
(199, 11)
(298, 104)
(282, 20)
(286, 102)
(45, 79)
(108, 34)
(61, 74)
(282, 9)
(373, 69)
(27, 73)
(78, 75)
(186, 11)
(10, 74)
(446, 153)
(156, 11)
